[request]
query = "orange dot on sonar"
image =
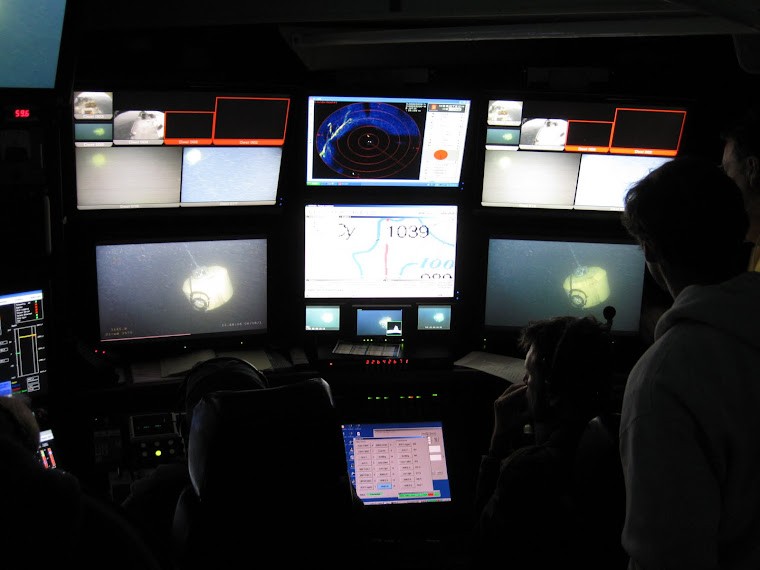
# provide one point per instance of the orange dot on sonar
(440, 154)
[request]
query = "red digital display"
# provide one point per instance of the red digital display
(22, 113)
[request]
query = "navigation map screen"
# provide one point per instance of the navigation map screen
(380, 251)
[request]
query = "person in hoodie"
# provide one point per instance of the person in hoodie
(690, 427)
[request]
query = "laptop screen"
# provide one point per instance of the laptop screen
(395, 463)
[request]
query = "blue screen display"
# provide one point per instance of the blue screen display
(30, 42)
(378, 322)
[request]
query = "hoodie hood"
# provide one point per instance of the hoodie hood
(732, 307)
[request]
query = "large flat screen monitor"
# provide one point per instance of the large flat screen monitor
(529, 280)
(181, 289)
(565, 155)
(383, 141)
(30, 43)
(169, 150)
(23, 353)
(380, 251)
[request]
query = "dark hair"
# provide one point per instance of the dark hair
(18, 423)
(575, 356)
(693, 215)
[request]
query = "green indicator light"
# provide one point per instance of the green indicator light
(434, 395)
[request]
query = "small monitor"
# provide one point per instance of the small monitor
(529, 280)
(434, 317)
(380, 251)
(322, 317)
(23, 350)
(397, 463)
(383, 141)
(573, 154)
(181, 289)
(383, 322)
(177, 149)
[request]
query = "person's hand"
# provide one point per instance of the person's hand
(510, 413)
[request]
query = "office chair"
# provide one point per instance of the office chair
(268, 479)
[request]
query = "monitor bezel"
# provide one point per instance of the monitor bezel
(491, 330)
(373, 186)
(624, 101)
(178, 208)
(172, 344)
(380, 299)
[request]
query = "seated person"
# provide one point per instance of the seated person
(152, 499)
(524, 498)
(41, 508)
(47, 514)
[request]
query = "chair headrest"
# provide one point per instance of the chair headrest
(239, 437)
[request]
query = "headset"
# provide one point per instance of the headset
(570, 355)
(214, 374)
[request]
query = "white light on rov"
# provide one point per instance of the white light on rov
(208, 288)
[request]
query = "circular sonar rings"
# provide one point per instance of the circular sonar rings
(368, 140)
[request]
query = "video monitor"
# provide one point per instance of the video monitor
(322, 317)
(380, 251)
(23, 350)
(565, 155)
(530, 179)
(30, 43)
(379, 322)
(434, 317)
(397, 462)
(383, 141)
(529, 280)
(172, 149)
(604, 179)
(181, 288)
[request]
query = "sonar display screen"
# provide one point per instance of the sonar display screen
(385, 141)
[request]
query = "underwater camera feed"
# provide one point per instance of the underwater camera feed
(530, 280)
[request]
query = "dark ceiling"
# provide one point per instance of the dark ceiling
(646, 46)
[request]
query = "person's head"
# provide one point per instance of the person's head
(215, 374)
(17, 423)
(741, 154)
(568, 363)
(690, 220)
